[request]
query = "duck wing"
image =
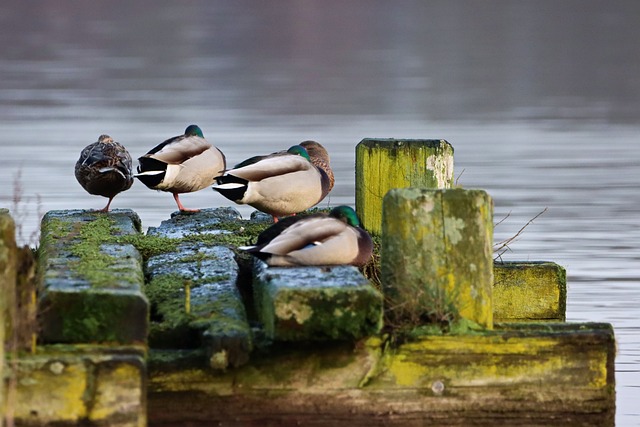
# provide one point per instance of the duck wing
(279, 227)
(271, 166)
(104, 157)
(308, 231)
(179, 149)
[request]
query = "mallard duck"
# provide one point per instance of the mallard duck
(318, 239)
(281, 183)
(181, 164)
(104, 169)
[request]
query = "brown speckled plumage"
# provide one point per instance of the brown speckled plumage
(104, 169)
(320, 158)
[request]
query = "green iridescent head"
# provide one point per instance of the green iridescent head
(300, 151)
(346, 214)
(193, 130)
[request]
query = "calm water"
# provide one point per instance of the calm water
(540, 100)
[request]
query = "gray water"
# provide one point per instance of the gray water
(540, 100)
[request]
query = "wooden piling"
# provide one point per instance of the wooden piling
(529, 291)
(385, 164)
(8, 260)
(436, 255)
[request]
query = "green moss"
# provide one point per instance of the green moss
(458, 327)
(149, 246)
(239, 233)
(86, 240)
(172, 323)
(90, 317)
(300, 314)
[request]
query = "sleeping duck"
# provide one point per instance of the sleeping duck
(279, 184)
(336, 238)
(182, 164)
(104, 169)
(320, 158)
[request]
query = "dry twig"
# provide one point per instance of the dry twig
(501, 247)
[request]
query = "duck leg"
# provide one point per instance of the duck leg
(106, 208)
(176, 197)
(276, 219)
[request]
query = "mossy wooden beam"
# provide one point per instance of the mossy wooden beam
(548, 374)
(91, 286)
(80, 385)
(436, 256)
(195, 302)
(529, 291)
(206, 222)
(315, 303)
(385, 164)
(8, 267)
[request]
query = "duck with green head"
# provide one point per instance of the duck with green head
(279, 184)
(182, 164)
(104, 169)
(336, 238)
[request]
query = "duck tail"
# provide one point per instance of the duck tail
(231, 187)
(151, 171)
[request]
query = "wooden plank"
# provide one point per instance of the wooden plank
(316, 303)
(550, 374)
(78, 385)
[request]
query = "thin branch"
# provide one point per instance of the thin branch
(458, 178)
(503, 219)
(503, 246)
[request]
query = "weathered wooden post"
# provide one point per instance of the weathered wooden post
(436, 255)
(530, 291)
(385, 164)
(8, 263)
(91, 287)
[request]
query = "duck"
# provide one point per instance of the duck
(279, 184)
(104, 169)
(336, 238)
(182, 164)
(320, 158)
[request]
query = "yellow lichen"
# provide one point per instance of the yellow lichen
(296, 308)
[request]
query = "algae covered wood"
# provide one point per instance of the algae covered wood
(525, 291)
(436, 255)
(8, 277)
(315, 303)
(195, 302)
(81, 385)
(534, 375)
(205, 222)
(194, 291)
(385, 164)
(91, 285)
